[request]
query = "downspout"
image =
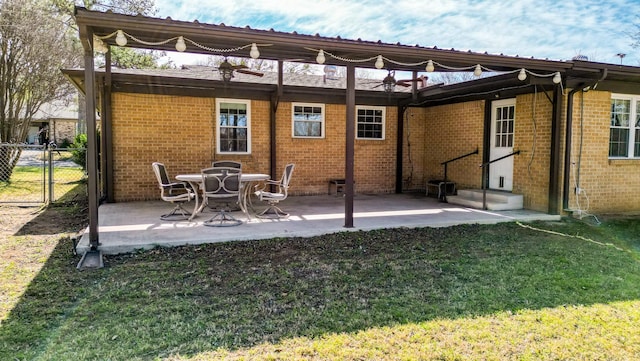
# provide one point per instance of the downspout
(567, 150)
(400, 148)
(275, 101)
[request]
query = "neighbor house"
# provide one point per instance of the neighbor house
(565, 134)
(54, 122)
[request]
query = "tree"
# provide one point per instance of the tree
(452, 77)
(124, 58)
(30, 61)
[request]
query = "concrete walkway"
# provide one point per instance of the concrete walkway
(126, 227)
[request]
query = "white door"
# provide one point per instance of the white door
(503, 116)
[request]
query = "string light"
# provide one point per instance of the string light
(522, 75)
(181, 45)
(254, 53)
(379, 63)
(121, 40)
(478, 70)
(430, 68)
(320, 59)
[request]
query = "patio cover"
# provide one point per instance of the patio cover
(162, 34)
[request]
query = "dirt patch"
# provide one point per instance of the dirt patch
(64, 218)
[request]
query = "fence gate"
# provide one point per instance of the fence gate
(39, 174)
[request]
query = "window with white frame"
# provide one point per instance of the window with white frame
(370, 122)
(308, 120)
(624, 131)
(233, 126)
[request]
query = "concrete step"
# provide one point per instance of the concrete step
(496, 200)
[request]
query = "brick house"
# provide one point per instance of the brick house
(573, 124)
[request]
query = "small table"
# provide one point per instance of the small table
(245, 181)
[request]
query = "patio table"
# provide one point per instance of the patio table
(246, 179)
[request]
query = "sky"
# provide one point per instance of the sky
(543, 29)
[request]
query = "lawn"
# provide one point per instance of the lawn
(543, 291)
(26, 183)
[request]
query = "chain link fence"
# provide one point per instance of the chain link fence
(40, 174)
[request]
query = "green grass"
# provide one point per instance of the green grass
(489, 292)
(26, 183)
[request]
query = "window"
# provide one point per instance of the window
(370, 122)
(505, 117)
(624, 131)
(308, 120)
(233, 126)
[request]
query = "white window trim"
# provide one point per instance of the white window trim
(384, 120)
(635, 100)
(238, 101)
(293, 122)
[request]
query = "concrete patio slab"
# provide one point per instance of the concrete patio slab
(130, 226)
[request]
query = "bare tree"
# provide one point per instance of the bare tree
(451, 77)
(33, 48)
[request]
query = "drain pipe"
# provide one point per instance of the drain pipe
(567, 148)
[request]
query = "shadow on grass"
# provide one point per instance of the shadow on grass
(67, 215)
(189, 300)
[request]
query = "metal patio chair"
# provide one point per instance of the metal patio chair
(273, 198)
(220, 185)
(226, 163)
(177, 193)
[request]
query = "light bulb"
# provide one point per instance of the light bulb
(180, 45)
(98, 46)
(254, 53)
(320, 58)
(121, 40)
(379, 63)
(522, 75)
(478, 70)
(557, 78)
(430, 68)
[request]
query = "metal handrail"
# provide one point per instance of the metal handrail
(445, 163)
(484, 167)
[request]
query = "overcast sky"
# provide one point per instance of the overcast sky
(543, 29)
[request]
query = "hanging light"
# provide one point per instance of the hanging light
(379, 62)
(389, 83)
(430, 68)
(254, 53)
(226, 70)
(121, 40)
(180, 45)
(320, 59)
(557, 78)
(478, 70)
(522, 75)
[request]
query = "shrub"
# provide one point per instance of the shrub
(79, 150)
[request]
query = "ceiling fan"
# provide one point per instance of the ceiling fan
(226, 70)
(389, 82)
